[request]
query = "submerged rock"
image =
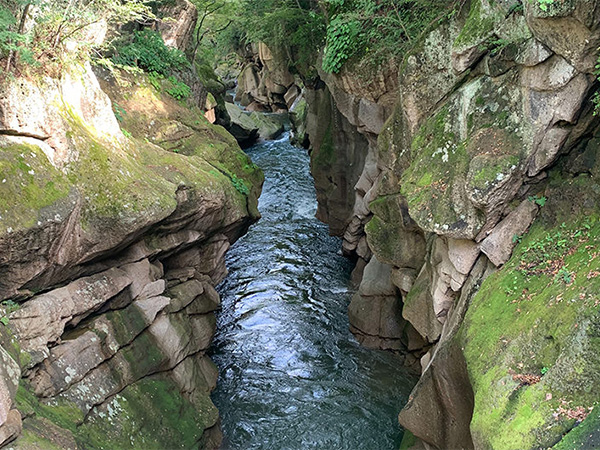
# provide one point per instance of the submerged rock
(247, 127)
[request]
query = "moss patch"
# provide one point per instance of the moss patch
(439, 159)
(531, 318)
(151, 414)
(28, 183)
(477, 28)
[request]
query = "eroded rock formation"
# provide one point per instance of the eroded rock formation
(111, 246)
(493, 113)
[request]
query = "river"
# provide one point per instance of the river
(291, 375)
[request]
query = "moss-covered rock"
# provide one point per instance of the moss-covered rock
(531, 335)
(467, 160)
(393, 235)
(150, 414)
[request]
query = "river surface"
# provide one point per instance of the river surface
(291, 374)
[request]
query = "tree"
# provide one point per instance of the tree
(40, 27)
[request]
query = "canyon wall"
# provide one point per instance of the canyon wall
(118, 203)
(473, 213)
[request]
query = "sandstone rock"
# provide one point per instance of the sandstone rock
(291, 95)
(533, 53)
(206, 260)
(207, 302)
(337, 159)
(551, 75)
(10, 374)
(393, 235)
(441, 405)
(256, 107)
(569, 29)
(498, 246)
(42, 320)
(70, 361)
(462, 254)
(404, 279)
(184, 294)
(28, 109)
(11, 427)
(378, 317)
(181, 17)
(376, 280)
(371, 116)
(268, 127)
(418, 307)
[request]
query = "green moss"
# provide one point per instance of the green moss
(584, 436)
(60, 412)
(493, 171)
(477, 28)
(28, 183)
(29, 440)
(325, 157)
(408, 440)
(438, 158)
(526, 317)
(150, 414)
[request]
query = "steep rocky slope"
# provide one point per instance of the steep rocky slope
(112, 238)
(492, 131)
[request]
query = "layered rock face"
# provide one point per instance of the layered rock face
(265, 83)
(493, 131)
(111, 247)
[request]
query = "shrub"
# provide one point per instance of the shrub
(376, 30)
(177, 89)
(149, 52)
(35, 30)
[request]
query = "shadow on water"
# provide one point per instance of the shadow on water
(291, 374)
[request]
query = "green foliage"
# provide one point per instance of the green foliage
(10, 39)
(540, 201)
(342, 42)
(177, 89)
(544, 4)
(376, 30)
(293, 28)
(8, 306)
(35, 31)
(119, 112)
(546, 254)
(149, 52)
(239, 185)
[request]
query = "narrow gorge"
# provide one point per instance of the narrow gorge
(420, 272)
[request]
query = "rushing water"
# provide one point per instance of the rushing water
(291, 374)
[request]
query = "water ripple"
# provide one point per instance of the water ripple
(291, 374)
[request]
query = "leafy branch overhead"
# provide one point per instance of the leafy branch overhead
(35, 31)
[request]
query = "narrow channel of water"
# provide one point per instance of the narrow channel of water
(291, 374)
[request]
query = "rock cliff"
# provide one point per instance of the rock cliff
(476, 192)
(118, 205)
